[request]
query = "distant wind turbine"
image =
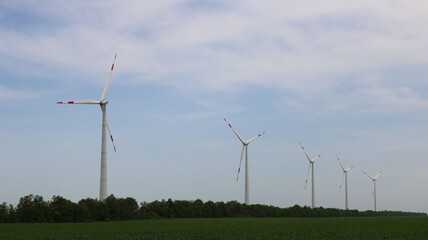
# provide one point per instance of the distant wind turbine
(244, 151)
(311, 167)
(345, 174)
(374, 186)
(103, 104)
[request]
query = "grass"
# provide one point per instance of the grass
(230, 228)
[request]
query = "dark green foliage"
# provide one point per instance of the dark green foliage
(33, 208)
(94, 210)
(122, 208)
(62, 210)
(4, 212)
(7, 213)
(393, 228)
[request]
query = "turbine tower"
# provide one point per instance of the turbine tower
(345, 174)
(244, 151)
(311, 167)
(103, 104)
(374, 186)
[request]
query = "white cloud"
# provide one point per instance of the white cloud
(292, 45)
(392, 99)
(308, 48)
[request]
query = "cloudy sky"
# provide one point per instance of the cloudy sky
(345, 77)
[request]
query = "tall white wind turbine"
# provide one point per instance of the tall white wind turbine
(311, 167)
(103, 104)
(345, 174)
(374, 186)
(244, 151)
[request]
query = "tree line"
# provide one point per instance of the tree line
(34, 208)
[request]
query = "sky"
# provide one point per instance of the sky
(341, 77)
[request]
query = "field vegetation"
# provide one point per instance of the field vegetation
(226, 228)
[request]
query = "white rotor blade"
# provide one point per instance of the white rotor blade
(377, 175)
(240, 162)
(307, 175)
(340, 163)
(315, 158)
(236, 133)
(111, 136)
(368, 175)
(80, 102)
(254, 138)
(108, 81)
(303, 148)
(343, 177)
(349, 168)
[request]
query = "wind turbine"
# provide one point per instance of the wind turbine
(345, 173)
(311, 166)
(103, 104)
(374, 186)
(244, 151)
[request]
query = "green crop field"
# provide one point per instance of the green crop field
(231, 228)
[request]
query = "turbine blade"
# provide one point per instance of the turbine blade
(109, 79)
(315, 158)
(307, 175)
(108, 128)
(254, 138)
(111, 136)
(90, 101)
(368, 175)
(303, 148)
(340, 163)
(349, 168)
(236, 133)
(343, 177)
(240, 162)
(377, 175)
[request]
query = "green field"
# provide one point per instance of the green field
(231, 228)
